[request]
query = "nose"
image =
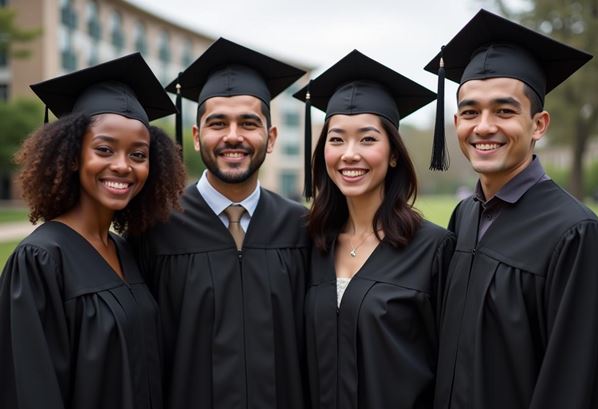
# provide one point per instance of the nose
(351, 153)
(121, 164)
(232, 134)
(486, 125)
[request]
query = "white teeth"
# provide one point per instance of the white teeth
(233, 154)
(353, 172)
(116, 185)
(487, 146)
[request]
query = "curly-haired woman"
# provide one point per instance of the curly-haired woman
(78, 327)
(376, 265)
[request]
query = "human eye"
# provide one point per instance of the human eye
(468, 113)
(103, 150)
(216, 124)
(138, 156)
(335, 140)
(249, 124)
(368, 139)
(505, 111)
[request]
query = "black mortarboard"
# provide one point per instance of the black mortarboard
(358, 84)
(124, 86)
(490, 46)
(228, 69)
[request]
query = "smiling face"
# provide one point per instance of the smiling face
(114, 162)
(233, 139)
(496, 131)
(357, 154)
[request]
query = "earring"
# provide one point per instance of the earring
(393, 163)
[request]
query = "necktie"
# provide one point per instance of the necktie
(234, 213)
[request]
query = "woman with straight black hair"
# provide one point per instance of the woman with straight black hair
(377, 266)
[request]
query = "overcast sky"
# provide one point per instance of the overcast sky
(404, 35)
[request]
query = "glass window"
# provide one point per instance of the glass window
(68, 17)
(140, 41)
(118, 38)
(4, 92)
(164, 50)
(93, 20)
(187, 56)
(291, 119)
(3, 58)
(288, 184)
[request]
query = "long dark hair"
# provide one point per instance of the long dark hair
(396, 216)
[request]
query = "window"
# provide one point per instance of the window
(93, 20)
(187, 55)
(140, 41)
(68, 17)
(4, 92)
(288, 184)
(164, 50)
(290, 149)
(3, 58)
(291, 119)
(117, 36)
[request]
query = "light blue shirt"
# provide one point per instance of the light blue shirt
(218, 202)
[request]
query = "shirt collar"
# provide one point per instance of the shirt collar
(218, 202)
(515, 188)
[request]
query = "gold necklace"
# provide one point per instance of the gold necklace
(354, 249)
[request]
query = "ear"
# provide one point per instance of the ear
(455, 120)
(74, 166)
(541, 124)
(196, 144)
(393, 161)
(272, 135)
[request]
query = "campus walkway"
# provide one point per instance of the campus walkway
(15, 231)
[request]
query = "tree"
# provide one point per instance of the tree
(17, 120)
(13, 38)
(574, 104)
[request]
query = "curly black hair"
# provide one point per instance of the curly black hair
(49, 175)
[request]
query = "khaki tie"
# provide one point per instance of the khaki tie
(234, 213)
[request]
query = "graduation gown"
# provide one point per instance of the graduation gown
(520, 315)
(73, 334)
(378, 350)
(233, 320)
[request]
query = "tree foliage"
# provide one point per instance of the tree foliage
(12, 38)
(574, 104)
(17, 120)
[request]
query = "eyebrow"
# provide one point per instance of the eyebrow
(253, 117)
(497, 101)
(360, 130)
(112, 139)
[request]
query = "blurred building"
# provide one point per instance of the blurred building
(80, 33)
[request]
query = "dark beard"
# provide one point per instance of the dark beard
(254, 166)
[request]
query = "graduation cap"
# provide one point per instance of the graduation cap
(228, 69)
(490, 46)
(124, 86)
(358, 84)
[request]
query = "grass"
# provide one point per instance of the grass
(6, 248)
(11, 215)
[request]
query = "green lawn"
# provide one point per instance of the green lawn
(437, 208)
(6, 249)
(8, 215)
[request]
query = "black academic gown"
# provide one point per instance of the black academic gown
(233, 320)
(378, 350)
(520, 315)
(72, 333)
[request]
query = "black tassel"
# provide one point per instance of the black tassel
(179, 115)
(46, 116)
(307, 185)
(440, 159)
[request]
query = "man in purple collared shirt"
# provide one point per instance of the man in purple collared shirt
(519, 321)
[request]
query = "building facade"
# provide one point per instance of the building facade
(80, 33)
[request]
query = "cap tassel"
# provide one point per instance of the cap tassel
(307, 185)
(440, 159)
(46, 116)
(179, 115)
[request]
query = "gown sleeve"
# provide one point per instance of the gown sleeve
(568, 376)
(441, 261)
(34, 343)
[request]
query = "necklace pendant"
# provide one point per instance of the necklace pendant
(353, 253)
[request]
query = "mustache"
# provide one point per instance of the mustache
(237, 146)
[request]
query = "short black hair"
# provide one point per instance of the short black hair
(201, 109)
(535, 101)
